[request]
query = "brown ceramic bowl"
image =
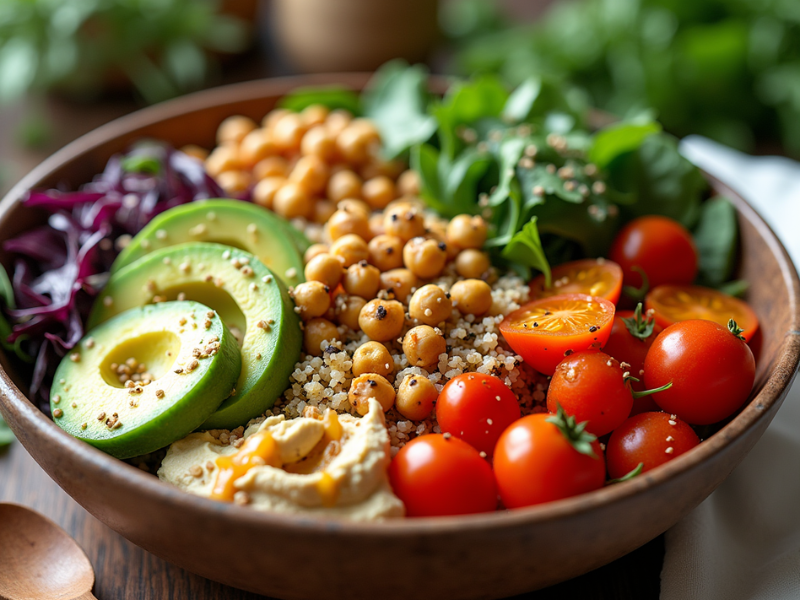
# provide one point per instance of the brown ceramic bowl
(486, 556)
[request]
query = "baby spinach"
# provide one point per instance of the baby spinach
(716, 237)
(333, 97)
(525, 248)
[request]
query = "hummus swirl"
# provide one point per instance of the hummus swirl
(309, 470)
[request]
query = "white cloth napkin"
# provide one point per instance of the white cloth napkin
(743, 542)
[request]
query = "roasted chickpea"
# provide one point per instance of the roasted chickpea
(256, 146)
(408, 183)
(273, 116)
(425, 258)
(471, 263)
(382, 320)
(319, 142)
(311, 172)
(369, 386)
(362, 279)
(323, 211)
(430, 305)
(233, 129)
(344, 184)
(337, 120)
(354, 205)
(466, 231)
(351, 248)
(376, 224)
(292, 201)
(386, 252)
(317, 333)
(195, 151)
(399, 282)
(348, 311)
(325, 268)
(404, 221)
(223, 158)
(372, 357)
(344, 222)
(265, 190)
(313, 298)
(288, 131)
(234, 182)
(272, 166)
(313, 251)
(314, 114)
(378, 191)
(415, 397)
(422, 346)
(471, 296)
(358, 141)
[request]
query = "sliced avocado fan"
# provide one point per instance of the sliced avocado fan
(235, 223)
(250, 300)
(145, 378)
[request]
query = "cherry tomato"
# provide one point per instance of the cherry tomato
(590, 386)
(544, 331)
(476, 408)
(674, 303)
(661, 247)
(592, 276)
(534, 462)
(650, 438)
(439, 475)
(629, 343)
(711, 370)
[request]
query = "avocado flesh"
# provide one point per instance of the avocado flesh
(230, 222)
(256, 303)
(127, 422)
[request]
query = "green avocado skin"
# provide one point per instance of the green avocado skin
(275, 241)
(155, 422)
(269, 350)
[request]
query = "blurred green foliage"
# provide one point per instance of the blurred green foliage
(83, 47)
(727, 69)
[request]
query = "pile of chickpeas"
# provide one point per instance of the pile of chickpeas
(379, 251)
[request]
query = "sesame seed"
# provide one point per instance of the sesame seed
(669, 450)
(267, 278)
(226, 255)
(263, 325)
(200, 229)
(159, 393)
(75, 357)
(84, 425)
(101, 416)
(291, 273)
(161, 234)
(108, 301)
(56, 399)
(446, 435)
(211, 215)
(196, 471)
(247, 271)
(489, 422)
(670, 438)
(178, 371)
(166, 260)
(90, 343)
(672, 422)
(58, 413)
(252, 229)
(185, 267)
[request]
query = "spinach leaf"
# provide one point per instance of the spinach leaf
(716, 237)
(6, 435)
(6, 289)
(333, 97)
(620, 138)
(525, 249)
(396, 99)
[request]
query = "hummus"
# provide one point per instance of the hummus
(334, 465)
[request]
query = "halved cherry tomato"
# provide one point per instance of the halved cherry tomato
(660, 247)
(536, 462)
(674, 303)
(544, 331)
(438, 475)
(592, 276)
(649, 439)
(590, 386)
(476, 408)
(711, 370)
(629, 343)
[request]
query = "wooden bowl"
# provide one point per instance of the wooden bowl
(483, 556)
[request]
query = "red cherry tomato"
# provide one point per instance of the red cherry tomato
(439, 475)
(631, 349)
(711, 370)
(592, 276)
(674, 303)
(651, 439)
(590, 386)
(661, 247)
(544, 331)
(476, 408)
(534, 463)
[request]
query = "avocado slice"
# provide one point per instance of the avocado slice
(249, 299)
(235, 223)
(192, 357)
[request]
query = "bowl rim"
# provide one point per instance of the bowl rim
(124, 475)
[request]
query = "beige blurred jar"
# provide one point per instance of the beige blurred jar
(353, 35)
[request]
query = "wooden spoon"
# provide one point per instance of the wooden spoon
(39, 559)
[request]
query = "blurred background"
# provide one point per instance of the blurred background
(727, 69)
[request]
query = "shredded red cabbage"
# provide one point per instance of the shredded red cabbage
(61, 266)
